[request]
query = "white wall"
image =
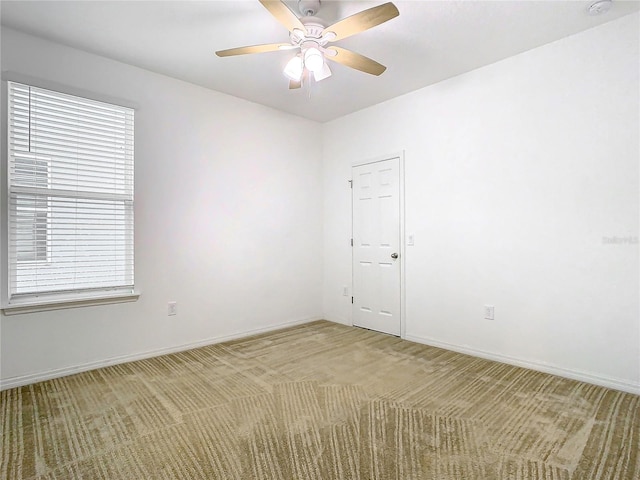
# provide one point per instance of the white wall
(514, 174)
(228, 221)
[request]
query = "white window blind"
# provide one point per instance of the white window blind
(70, 195)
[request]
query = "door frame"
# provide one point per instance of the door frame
(400, 156)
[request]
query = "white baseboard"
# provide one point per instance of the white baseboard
(340, 320)
(613, 383)
(21, 380)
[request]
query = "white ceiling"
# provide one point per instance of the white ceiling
(429, 41)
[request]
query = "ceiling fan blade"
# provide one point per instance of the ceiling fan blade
(268, 47)
(283, 14)
(355, 60)
(361, 21)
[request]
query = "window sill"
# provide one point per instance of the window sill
(59, 304)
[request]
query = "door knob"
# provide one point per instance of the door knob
(394, 255)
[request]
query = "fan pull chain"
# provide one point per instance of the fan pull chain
(310, 83)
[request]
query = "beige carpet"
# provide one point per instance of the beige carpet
(319, 401)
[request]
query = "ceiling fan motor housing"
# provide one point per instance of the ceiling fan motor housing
(313, 25)
(313, 33)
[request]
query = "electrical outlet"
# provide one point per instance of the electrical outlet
(172, 308)
(488, 312)
(345, 291)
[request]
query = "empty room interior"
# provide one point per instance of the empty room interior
(320, 240)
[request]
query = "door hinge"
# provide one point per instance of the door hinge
(352, 242)
(351, 299)
(350, 183)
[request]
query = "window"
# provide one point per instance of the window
(70, 196)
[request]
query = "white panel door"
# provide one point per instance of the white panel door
(376, 246)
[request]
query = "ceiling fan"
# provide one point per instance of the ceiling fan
(308, 35)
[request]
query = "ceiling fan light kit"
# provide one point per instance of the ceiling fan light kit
(311, 37)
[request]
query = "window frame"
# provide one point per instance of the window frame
(60, 299)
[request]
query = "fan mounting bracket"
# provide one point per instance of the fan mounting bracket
(308, 8)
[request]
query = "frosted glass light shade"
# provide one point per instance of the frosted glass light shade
(294, 68)
(313, 59)
(323, 73)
